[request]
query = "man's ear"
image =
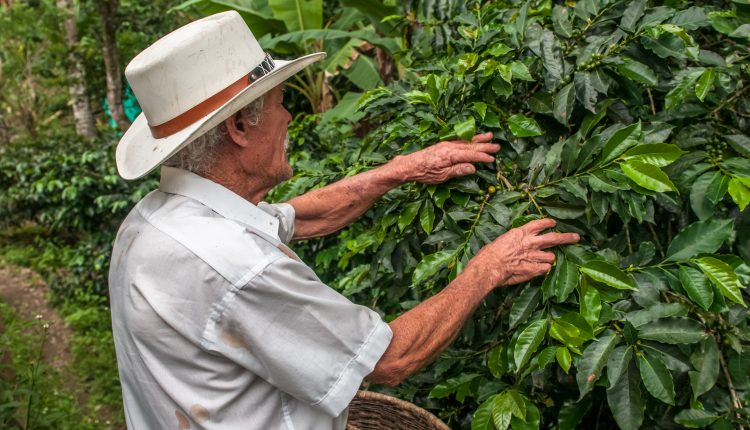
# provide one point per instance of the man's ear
(238, 129)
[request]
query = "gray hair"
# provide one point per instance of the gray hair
(200, 155)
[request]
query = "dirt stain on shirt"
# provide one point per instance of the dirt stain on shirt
(288, 252)
(182, 421)
(199, 413)
(234, 339)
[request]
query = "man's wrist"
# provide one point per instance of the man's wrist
(477, 274)
(397, 171)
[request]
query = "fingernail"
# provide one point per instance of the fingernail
(468, 170)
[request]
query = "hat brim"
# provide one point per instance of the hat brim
(138, 152)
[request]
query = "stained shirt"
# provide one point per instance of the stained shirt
(218, 325)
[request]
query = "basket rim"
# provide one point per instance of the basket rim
(403, 404)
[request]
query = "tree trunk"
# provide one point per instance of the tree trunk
(82, 114)
(108, 14)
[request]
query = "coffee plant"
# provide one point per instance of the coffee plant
(626, 121)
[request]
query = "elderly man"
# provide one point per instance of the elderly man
(217, 324)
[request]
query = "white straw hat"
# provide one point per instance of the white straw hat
(191, 80)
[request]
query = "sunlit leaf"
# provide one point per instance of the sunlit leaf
(608, 274)
(523, 126)
(528, 341)
(723, 276)
(648, 176)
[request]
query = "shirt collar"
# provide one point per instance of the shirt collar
(219, 198)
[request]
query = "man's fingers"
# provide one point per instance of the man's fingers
(461, 170)
(537, 226)
(483, 137)
(489, 148)
(471, 157)
(553, 239)
(542, 257)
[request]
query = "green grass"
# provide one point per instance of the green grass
(84, 394)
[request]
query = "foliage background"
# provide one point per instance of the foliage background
(627, 121)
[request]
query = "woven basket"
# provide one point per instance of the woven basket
(375, 411)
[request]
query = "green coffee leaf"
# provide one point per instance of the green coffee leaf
(585, 90)
(638, 72)
(609, 274)
(618, 363)
(563, 104)
(528, 342)
(501, 420)
(567, 279)
(632, 14)
(427, 216)
(497, 361)
(523, 126)
(524, 305)
(408, 214)
(520, 71)
(562, 21)
(699, 238)
(706, 362)
(673, 330)
(740, 143)
(717, 188)
(563, 358)
(723, 276)
(700, 202)
(682, 91)
(697, 287)
(655, 312)
(593, 361)
(510, 401)
(551, 55)
(571, 330)
(459, 385)
(546, 356)
(590, 304)
(656, 378)
(431, 264)
(620, 142)
(533, 418)
(625, 400)
(740, 193)
(705, 84)
(482, 418)
(657, 154)
(648, 176)
(695, 418)
(466, 129)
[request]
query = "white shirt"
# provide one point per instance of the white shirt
(218, 325)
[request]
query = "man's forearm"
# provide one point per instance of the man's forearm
(423, 332)
(333, 207)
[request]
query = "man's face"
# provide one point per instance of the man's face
(270, 139)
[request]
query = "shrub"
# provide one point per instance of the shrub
(627, 123)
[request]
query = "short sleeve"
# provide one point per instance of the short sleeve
(301, 336)
(284, 212)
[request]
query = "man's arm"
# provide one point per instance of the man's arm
(331, 208)
(423, 332)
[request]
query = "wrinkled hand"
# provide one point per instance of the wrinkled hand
(446, 160)
(517, 255)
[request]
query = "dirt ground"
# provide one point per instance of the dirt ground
(27, 293)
